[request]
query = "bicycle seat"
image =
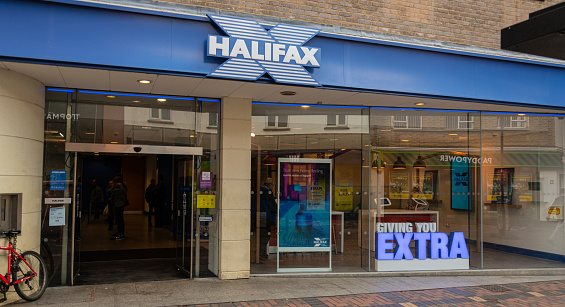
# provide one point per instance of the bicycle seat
(10, 233)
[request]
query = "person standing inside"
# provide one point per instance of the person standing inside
(110, 219)
(96, 198)
(151, 199)
(160, 200)
(268, 217)
(119, 198)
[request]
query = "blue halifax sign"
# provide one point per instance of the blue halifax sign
(253, 51)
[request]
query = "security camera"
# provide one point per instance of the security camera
(137, 149)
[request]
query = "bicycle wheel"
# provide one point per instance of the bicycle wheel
(33, 288)
(48, 257)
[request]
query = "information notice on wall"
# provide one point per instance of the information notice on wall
(57, 216)
(58, 180)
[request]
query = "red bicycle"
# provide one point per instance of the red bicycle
(26, 272)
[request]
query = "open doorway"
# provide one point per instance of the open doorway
(157, 243)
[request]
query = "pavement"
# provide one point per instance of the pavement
(538, 290)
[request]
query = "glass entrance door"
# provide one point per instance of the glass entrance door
(184, 198)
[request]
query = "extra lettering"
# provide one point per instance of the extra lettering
(434, 245)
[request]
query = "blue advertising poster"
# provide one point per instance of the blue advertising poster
(58, 180)
(460, 184)
(304, 204)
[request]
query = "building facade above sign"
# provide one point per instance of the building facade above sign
(253, 51)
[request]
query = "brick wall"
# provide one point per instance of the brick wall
(468, 22)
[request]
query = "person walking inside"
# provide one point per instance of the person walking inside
(268, 217)
(118, 198)
(96, 198)
(151, 199)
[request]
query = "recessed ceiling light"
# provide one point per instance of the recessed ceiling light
(110, 96)
(522, 114)
(420, 104)
(113, 142)
(252, 134)
(405, 140)
(161, 99)
(288, 93)
(136, 101)
(305, 106)
(143, 81)
(453, 134)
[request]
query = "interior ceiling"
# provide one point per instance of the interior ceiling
(120, 81)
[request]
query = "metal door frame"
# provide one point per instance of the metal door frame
(183, 212)
(76, 148)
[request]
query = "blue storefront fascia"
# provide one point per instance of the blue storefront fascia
(81, 34)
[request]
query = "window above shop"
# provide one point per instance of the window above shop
(160, 115)
(513, 122)
(460, 122)
(406, 122)
(336, 121)
(277, 122)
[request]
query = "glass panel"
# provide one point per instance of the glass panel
(124, 118)
(425, 170)
(523, 191)
(58, 182)
(165, 114)
(308, 135)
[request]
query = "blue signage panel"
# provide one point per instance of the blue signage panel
(109, 37)
(58, 180)
(460, 183)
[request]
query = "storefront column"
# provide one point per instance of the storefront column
(235, 188)
(22, 115)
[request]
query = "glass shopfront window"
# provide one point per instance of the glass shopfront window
(426, 174)
(184, 180)
(523, 190)
(310, 161)
(496, 179)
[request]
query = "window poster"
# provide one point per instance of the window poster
(304, 204)
(521, 186)
(343, 194)
(423, 185)
(501, 187)
(398, 185)
(460, 184)
(58, 180)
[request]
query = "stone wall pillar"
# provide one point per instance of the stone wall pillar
(235, 188)
(22, 117)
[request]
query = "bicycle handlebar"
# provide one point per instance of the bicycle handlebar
(10, 233)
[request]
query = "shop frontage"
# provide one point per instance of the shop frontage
(278, 148)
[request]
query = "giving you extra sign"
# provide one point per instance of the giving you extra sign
(418, 246)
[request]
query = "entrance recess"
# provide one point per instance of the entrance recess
(184, 177)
